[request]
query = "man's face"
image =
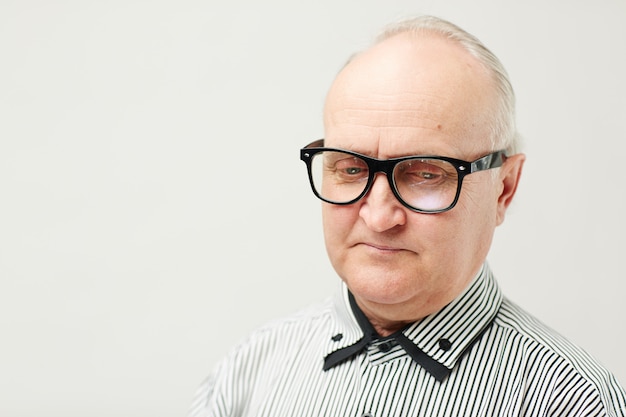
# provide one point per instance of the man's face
(408, 96)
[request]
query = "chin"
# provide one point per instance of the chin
(382, 288)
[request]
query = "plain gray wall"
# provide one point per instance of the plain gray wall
(153, 209)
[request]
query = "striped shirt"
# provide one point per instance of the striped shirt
(497, 360)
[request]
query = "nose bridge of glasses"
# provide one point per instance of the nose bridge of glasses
(381, 166)
(386, 167)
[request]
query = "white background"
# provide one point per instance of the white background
(153, 209)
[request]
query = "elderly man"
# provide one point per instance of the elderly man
(416, 170)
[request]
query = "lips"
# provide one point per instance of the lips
(382, 248)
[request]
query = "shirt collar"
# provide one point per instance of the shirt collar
(443, 336)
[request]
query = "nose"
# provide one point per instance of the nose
(380, 209)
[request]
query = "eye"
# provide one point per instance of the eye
(350, 168)
(426, 175)
(425, 172)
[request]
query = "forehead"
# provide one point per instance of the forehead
(411, 95)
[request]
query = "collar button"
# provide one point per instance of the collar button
(384, 347)
(445, 344)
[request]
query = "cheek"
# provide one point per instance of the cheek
(437, 238)
(468, 225)
(337, 223)
(479, 199)
(477, 219)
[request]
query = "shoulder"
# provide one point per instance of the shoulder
(281, 338)
(260, 357)
(300, 324)
(546, 357)
(534, 333)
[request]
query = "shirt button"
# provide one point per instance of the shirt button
(384, 347)
(367, 415)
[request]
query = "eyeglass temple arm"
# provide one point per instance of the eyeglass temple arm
(493, 160)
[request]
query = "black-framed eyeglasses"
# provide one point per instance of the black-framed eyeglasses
(422, 183)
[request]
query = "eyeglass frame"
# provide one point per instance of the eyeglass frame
(387, 166)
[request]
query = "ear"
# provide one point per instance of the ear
(510, 173)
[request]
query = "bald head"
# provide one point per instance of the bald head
(415, 85)
(429, 40)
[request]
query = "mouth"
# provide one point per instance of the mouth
(382, 248)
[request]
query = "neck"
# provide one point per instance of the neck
(369, 321)
(385, 329)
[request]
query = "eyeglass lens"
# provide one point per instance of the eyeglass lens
(422, 183)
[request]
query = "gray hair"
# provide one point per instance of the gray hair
(504, 133)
